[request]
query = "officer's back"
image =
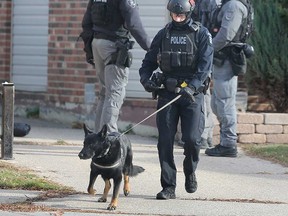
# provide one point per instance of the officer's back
(116, 19)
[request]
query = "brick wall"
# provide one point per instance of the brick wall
(5, 32)
(68, 71)
(135, 110)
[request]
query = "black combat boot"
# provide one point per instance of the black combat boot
(222, 151)
(191, 183)
(166, 193)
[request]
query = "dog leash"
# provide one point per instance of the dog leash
(167, 104)
(117, 163)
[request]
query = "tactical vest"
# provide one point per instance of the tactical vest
(106, 15)
(246, 27)
(179, 51)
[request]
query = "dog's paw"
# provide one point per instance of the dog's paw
(91, 191)
(102, 199)
(126, 192)
(111, 207)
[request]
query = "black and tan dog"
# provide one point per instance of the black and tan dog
(112, 159)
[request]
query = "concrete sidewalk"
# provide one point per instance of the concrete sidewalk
(226, 186)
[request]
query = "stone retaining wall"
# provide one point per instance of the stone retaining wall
(259, 128)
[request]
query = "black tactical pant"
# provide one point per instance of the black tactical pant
(192, 119)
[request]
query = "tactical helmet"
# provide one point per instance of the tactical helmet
(181, 6)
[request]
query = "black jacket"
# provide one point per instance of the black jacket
(125, 19)
(204, 62)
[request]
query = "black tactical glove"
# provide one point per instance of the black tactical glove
(90, 61)
(186, 92)
(150, 86)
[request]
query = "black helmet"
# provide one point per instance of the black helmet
(181, 6)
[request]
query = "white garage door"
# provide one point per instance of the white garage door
(30, 44)
(154, 16)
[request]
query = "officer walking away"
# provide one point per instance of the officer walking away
(184, 53)
(111, 22)
(224, 19)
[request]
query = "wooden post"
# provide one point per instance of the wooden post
(7, 121)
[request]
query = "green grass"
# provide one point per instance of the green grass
(12, 177)
(277, 153)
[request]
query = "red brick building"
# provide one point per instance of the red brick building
(41, 56)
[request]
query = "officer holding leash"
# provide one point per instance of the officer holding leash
(184, 53)
(111, 22)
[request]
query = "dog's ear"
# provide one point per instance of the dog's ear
(86, 130)
(103, 131)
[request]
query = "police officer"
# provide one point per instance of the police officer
(112, 21)
(184, 53)
(207, 135)
(225, 27)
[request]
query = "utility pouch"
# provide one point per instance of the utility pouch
(219, 58)
(238, 60)
(170, 60)
(190, 58)
(129, 59)
(171, 84)
(176, 59)
(165, 64)
(122, 56)
(184, 58)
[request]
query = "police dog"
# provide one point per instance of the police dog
(112, 159)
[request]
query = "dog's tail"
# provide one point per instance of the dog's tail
(136, 170)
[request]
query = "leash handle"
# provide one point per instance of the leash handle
(163, 107)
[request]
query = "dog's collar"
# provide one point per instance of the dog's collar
(109, 166)
(116, 164)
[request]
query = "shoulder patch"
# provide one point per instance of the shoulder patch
(229, 15)
(132, 3)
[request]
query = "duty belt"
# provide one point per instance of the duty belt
(171, 84)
